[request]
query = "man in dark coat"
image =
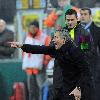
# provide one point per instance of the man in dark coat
(81, 37)
(89, 25)
(72, 61)
(6, 35)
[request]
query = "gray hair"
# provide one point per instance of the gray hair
(64, 34)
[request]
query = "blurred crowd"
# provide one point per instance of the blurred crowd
(39, 68)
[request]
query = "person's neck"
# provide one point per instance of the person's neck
(87, 23)
(72, 28)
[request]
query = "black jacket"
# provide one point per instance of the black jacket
(5, 50)
(74, 65)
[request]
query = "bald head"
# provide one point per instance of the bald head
(2, 25)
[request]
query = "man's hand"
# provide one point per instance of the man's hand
(15, 44)
(77, 93)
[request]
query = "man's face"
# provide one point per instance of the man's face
(85, 16)
(33, 29)
(58, 41)
(2, 26)
(71, 20)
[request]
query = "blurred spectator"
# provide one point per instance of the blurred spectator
(6, 35)
(56, 18)
(75, 3)
(88, 24)
(33, 63)
(49, 3)
(84, 3)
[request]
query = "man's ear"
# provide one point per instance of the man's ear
(64, 40)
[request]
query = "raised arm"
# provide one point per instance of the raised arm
(37, 49)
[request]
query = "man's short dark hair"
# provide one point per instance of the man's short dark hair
(35, 23)
(86, 8)
(70, 12)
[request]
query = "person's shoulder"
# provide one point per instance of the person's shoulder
(70, 45)
(79, 26)
(95, 29)
(81, 29)
(95, 26)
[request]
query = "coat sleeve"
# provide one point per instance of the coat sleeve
(37, 49)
